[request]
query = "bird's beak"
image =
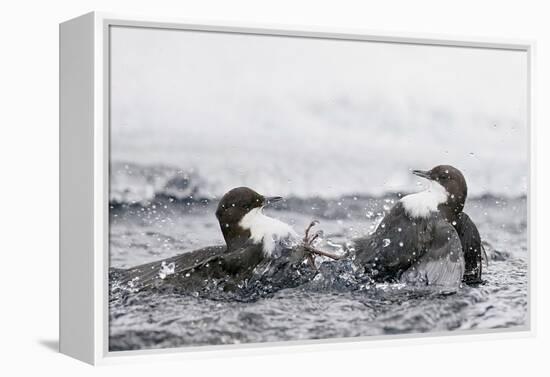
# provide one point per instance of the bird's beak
(272, 199)
(422, 173)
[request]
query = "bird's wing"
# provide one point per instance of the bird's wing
(472, 248)
(145, 274)
(243, 259)
(442, 264)
(396, 244)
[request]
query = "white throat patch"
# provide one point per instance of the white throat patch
(424, 202)
(267, 230)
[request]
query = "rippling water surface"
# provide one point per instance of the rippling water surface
(146, 232)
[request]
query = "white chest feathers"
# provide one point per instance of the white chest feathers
(423, 203)
(268, 231)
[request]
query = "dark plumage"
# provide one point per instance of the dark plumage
(426, 238)
(236, 260)
(412, 250)
(233, 206)
(472, 247)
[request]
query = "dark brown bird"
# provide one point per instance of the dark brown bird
(426, 238)
(251, 237)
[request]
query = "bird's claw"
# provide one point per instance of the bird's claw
(310, 249)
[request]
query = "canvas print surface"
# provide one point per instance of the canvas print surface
(269, 188)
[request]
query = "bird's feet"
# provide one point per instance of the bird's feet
(311, 250)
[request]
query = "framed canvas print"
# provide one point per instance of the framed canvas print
(227, 186)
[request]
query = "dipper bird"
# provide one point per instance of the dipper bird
(250, 236)
(426, 238)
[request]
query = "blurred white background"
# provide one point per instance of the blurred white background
(29, 155)
(317, 117)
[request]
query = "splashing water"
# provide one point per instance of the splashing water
(167, 269)
(337, 301)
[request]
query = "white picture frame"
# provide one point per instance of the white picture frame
(84, 185)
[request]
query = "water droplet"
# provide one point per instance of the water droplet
(386, 242)
(166, 269)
